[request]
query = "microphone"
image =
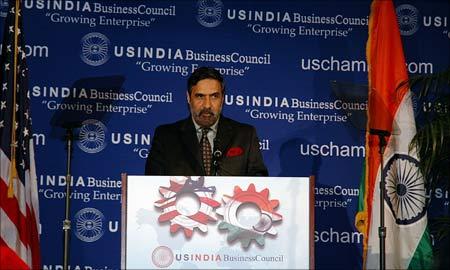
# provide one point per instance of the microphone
(382, 134)
(217, 156)
(217, 153)
(379, 132)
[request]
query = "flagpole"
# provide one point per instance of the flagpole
(66, 222)
(382, 228)
(13, 170)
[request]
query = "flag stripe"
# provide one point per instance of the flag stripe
(25, 228)
(10, 207)
(422, 258)
(18, 186)
(9, 258)
(33, 242)
(10, 236)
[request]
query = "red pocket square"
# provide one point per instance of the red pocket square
(234, 151)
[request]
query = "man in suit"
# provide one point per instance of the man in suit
(205, 143)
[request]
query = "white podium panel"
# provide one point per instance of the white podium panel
(179, 222)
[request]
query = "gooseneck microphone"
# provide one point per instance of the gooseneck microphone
(217, 156)
(379, 132)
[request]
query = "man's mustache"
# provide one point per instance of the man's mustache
(206, 111)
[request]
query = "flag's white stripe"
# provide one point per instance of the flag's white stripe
(10, 235)
(34, 204)
(29, 257)
(401, 240)
(19, 189)
(4, 166)
(30, 185)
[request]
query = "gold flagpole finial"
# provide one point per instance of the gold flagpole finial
(12, 177)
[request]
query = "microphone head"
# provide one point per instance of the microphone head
(379, 132)
(217, 153)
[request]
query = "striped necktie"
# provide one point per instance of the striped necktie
(205, 148)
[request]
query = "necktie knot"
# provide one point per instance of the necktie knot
(205, 131)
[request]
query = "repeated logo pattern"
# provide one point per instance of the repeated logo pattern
(89, 224)
(210, 12)
(3, 8)
(408, 19)
(94, 49)
(92, 138)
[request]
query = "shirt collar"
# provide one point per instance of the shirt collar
(198, 128)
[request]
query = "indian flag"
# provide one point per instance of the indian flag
(390, 109)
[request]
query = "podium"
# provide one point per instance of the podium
(215, 222)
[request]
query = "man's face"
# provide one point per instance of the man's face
(205, 102)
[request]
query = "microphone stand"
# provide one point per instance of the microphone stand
(382, 134)
(66, 222)
(217, 154)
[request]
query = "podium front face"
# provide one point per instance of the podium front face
(181, 222)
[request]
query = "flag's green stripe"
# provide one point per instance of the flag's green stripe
(423, 256)
(362, 189)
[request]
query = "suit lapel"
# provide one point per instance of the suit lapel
(224, 134)
(190, 140)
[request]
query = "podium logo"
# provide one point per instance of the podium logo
(408, 19)
(210, 12)
(177, 202)
(89, 224)
(248, 226)
(92, 136)
(162, 257)
(94, 49)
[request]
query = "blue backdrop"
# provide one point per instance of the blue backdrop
(121, 68)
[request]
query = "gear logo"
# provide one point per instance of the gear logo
(92, 136)
(187, 221)
(405, 191)
(94, 49)
(162, 257)
(209, 12)
(245, 233)
(408, 19)
(89, 224)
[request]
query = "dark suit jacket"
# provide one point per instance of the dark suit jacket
(175, 150)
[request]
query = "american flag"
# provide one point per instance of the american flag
(19, 205)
